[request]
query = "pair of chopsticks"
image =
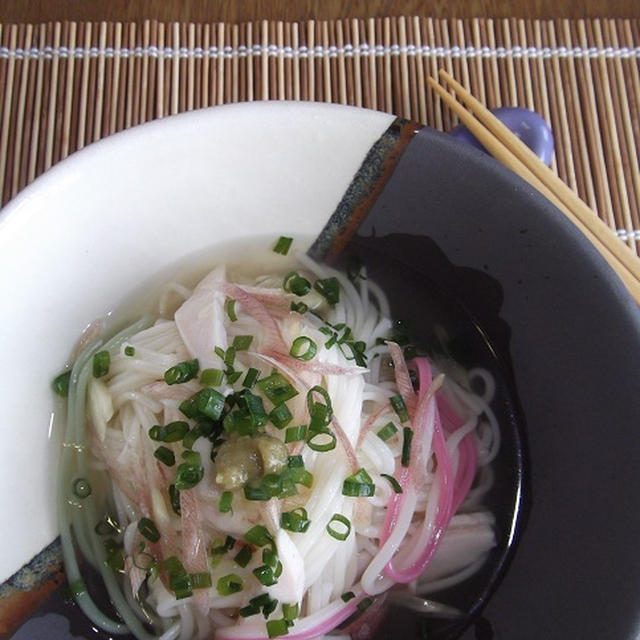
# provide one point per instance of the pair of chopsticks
(506, 147)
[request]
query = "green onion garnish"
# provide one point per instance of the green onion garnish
(201, 580)
(129, 351)
(230, 308)
(407, 436)
(82, 488)
(296, 520)
(294, 434)
(107, 526)
(101, 364)
(243, 557)
(259, 536)
(171, 432)
(388, 431)
(348, 595)
(233, 376)
(165, 455)
(250, 378)
(206, 403)
(277, 388)
(294, 283)
(174, 498)
(303, 348)
(290, 611)
(115, 555)
(329, 289)
(242, 343)
(283, 245)
(364, 604)
(280, 416)
(269, 607)
(226, 499)
(190, 437)
(358, 485)
(60, 384)
(179, 581)
(295, 461)
(257, 494)
(265, 575)
(399, 407)
(182, 372)
(322, 441)
(300, 307)
(148, 529)
(321, 413)
(231, 583)
(211, 377)
(339, 532)
(249, 415)
(393, 482)
(188, 476)
(277, 628)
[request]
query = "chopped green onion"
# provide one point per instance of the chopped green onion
(340, 532)
(179, 581)
(348, 595)
(250, 378)
(364, 604)
(247, 611)
(294, 283)
(283, 245)
(269, 607)
(82, 488)
(280, 416)
(321, 413)
(224, 505)
(301, 476)
(290, 611)
(388, 431)
(358, 485)
(148, 529)
(399, 407)
(303, 348)
(219, 351)
(300, 307)
(230, 356)
(171, 432)
(242, 343)
(233, 376)
(211, 377)
(206, 403)
(277, 628)
(192, 457)
(182, 372)
(231, 583)
(191, 436)
(200, 580)
(256, 493)
(329, 289)
(188, 476)
(249, 415)
(101, 364)
(115, 555)
(393, 482)
(407, 436)
(296, 520)
(294, 434)
(243, 557)
(259, 536)
(129, 351)
(322, 441)
(295, 461)
(60, 384)
(265, 575)
(165, 455)
(277, 388)
(230, 308)
(174, 498)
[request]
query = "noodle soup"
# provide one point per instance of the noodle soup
(262, 455)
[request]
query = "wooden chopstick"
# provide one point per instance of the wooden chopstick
(512, 152)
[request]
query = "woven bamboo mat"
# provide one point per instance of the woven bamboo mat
(65, 85)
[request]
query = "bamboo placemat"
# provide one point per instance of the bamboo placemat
(65, 85)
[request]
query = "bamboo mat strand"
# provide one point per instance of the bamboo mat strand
(65, 85)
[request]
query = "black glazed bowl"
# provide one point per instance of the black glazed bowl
(563, 324)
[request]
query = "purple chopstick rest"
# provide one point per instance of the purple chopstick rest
(528, 125)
